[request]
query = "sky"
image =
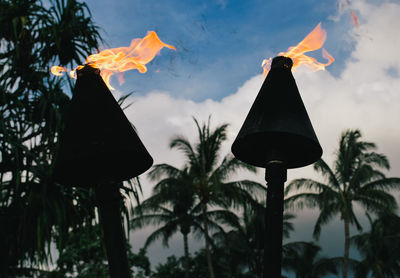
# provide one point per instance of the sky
(216, 70)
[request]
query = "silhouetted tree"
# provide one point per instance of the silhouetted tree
(302, 258)
(172, 205)
(354, 178)
(379, 248)
(211, 184)
(170, 269)
(34, 210)
(243, 246)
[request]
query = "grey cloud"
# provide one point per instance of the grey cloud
(364, 96)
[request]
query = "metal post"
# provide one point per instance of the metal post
(108, 198)
(275, 176)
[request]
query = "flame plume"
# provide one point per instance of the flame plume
(313, 41)
(354, 18)
(57, 70)
(118, 60)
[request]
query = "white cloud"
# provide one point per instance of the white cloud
(364, 96)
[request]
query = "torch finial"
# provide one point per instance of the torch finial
(282, 62)
(87, 69)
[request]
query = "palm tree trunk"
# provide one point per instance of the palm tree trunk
(186, 247)
(208, 254)
(346, 248)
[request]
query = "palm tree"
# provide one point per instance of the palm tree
(302, 259)
(33, 209)
(244, 244)
(69, 32)
(379, 248)
(354, 179)
(211, 185)
(174, 206)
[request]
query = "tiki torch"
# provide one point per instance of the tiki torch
(99, 148)
(277, 135)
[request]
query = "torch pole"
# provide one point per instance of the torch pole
(275, 176)
(108, 198)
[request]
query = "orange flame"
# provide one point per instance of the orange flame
(118, 60)
(313, 41)
(354, 19)
(56, 70)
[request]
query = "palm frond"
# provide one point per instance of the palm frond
(287, 225)
(150, 219)
(364, 174)
(301, 200)
(233, 195)
(252, 187)
(351, 216)
(326, 266)
(182, 144)
(230, 165)
(160, 170)
(153, 205)
(306, 184)
(224, 217)
(384, 184)
(328, 212)
(165, 233)
(376, 201)
(208, 147)
(375, 160)
(323, 168)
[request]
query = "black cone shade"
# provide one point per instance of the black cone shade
(98, 144)
(277, 126)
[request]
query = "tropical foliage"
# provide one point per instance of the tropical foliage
(32, 206)
(302, 258)
(40, 217)
(379, 248)
(246, 240)
(172, 206)
(84, 256)
(356, 178)
(36, 213)
(203, 184)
